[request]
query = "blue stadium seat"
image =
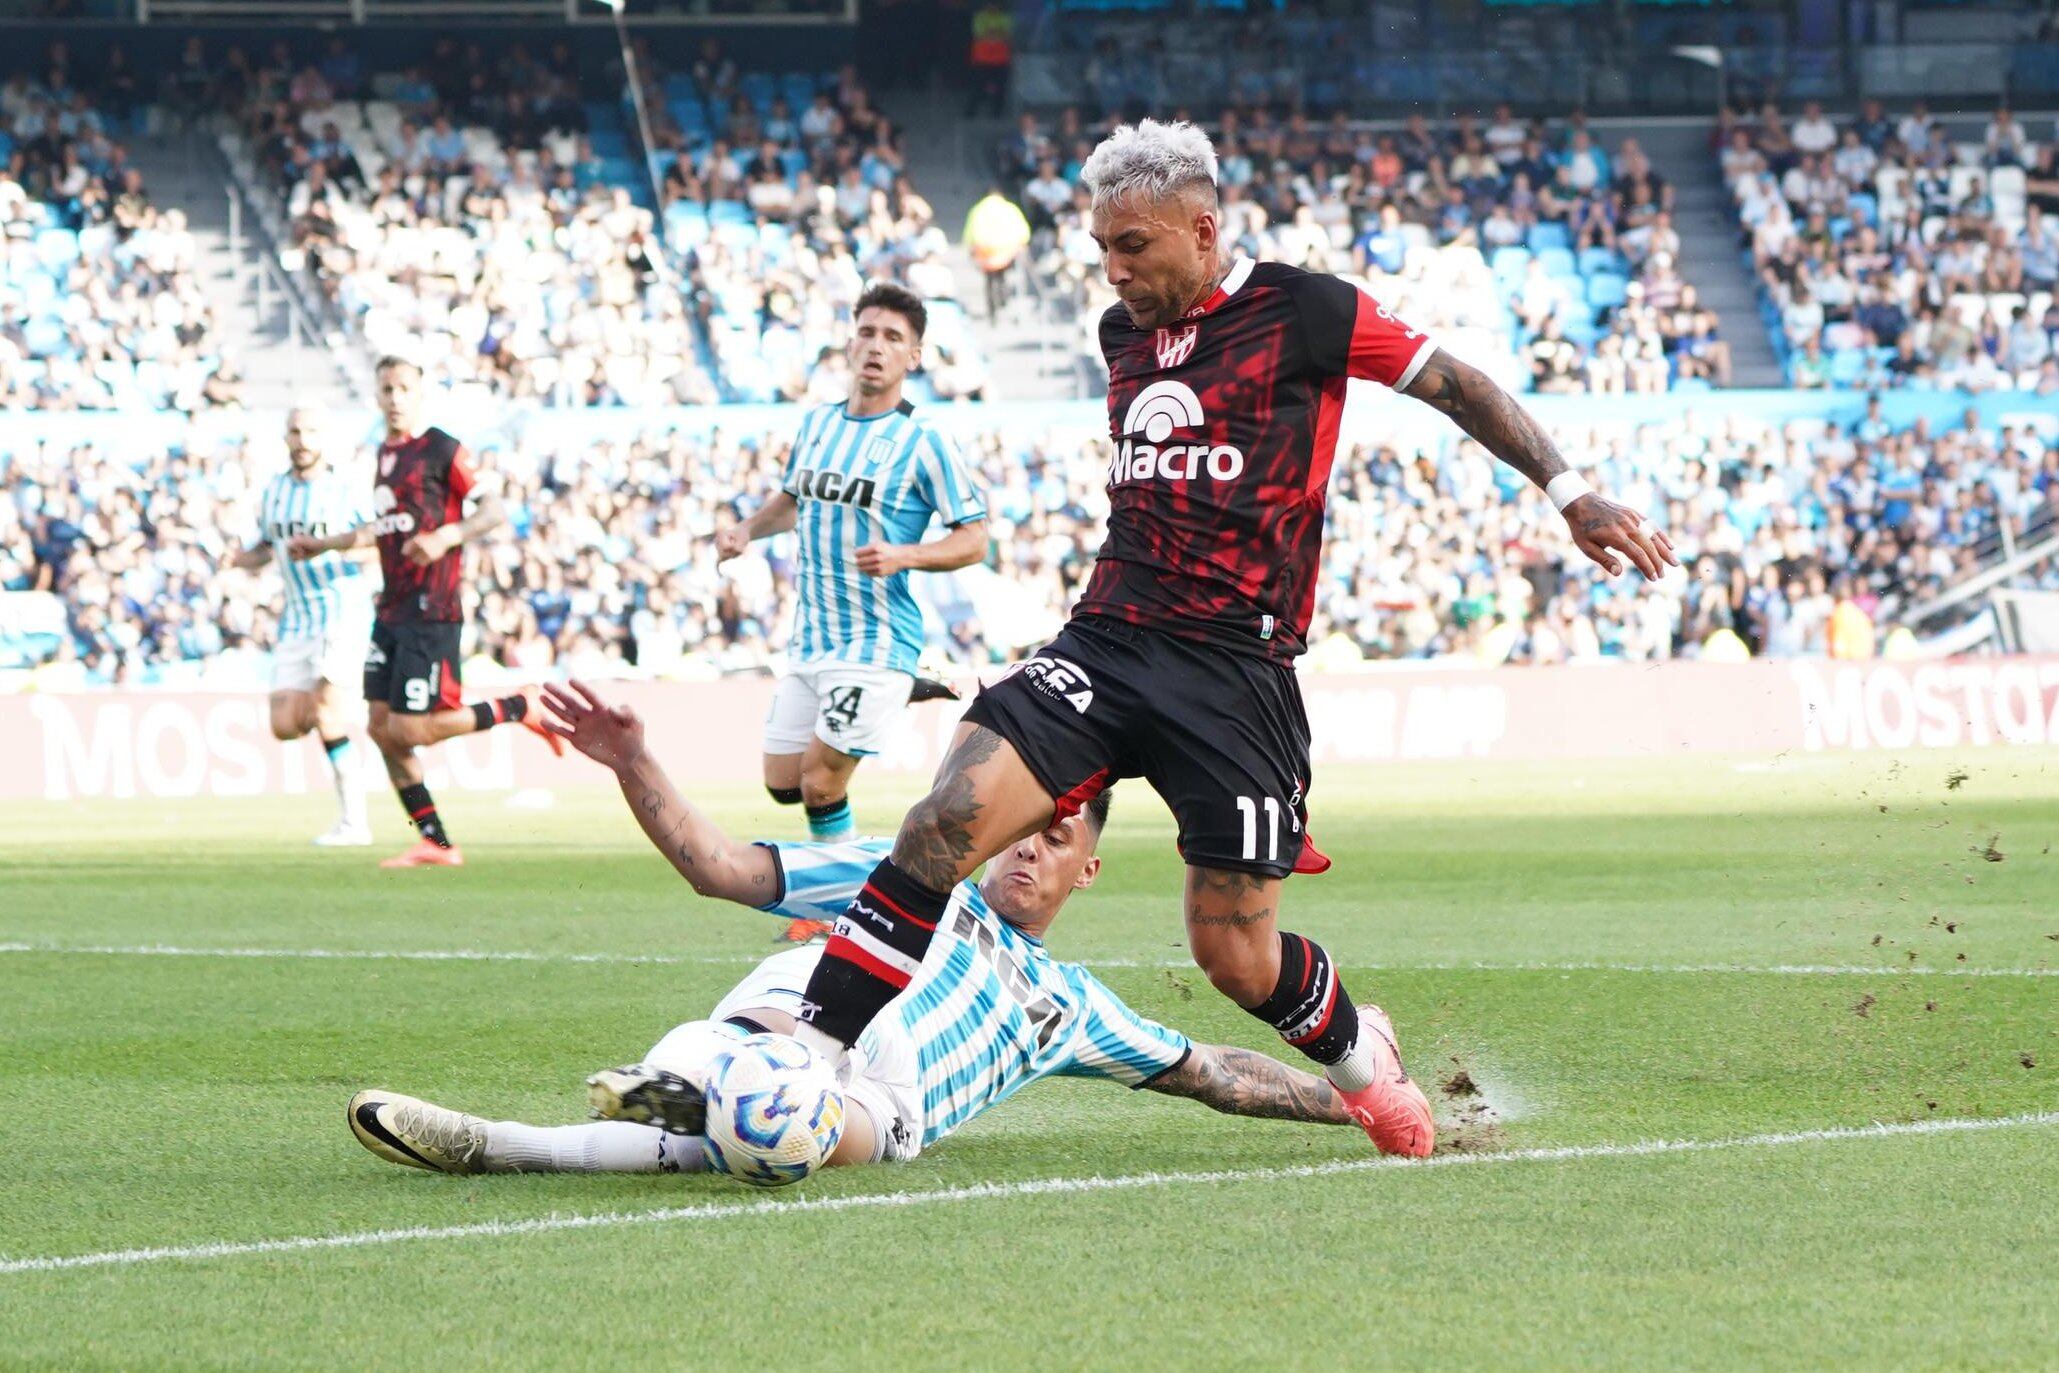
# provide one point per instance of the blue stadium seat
(1847, 366)
(57, 248)
(1865, 208)
(1509, 264)
(1544, 237)
(729, 212)
(1594, 260)
(45, 337)
(608, 142)
(1605, 290)
(681, 86)
(1558, 262)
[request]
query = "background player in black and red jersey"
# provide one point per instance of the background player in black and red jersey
(413, 682)
(1226, 391)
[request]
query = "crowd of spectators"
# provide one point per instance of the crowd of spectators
(1523, 244)
(1900, 252)
(478, 212)
(100, 304)
(1790, 534)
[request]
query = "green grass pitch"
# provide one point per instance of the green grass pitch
(1769, 957)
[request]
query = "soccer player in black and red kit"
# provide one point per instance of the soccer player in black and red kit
(413, 683)
(1226, 388)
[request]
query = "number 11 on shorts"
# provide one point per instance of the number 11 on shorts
(1248, 809)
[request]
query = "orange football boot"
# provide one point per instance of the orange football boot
(1393, 1111)
(532, 719)
(805, 931)
(426, 854)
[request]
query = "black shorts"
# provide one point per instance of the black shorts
(413, 666)
(1220, 735)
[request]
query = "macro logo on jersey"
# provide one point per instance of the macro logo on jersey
(1158, 411)
(385, 518)
(1175, 346)
(1056, 677)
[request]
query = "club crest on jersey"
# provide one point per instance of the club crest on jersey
(1175, 346)
(386, 456)
(1153, 415)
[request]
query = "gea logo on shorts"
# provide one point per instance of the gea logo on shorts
(1057, 678)
(1158, 410)
(388, 520)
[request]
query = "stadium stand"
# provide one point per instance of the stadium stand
(1791, 531)
(1531, 250)
(484, 213)
(1902, 251)
(100, 307)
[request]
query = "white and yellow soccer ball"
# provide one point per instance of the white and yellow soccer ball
(775, 1111)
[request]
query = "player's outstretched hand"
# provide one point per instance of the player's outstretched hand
(1604, 529)
(730, 543)
(880, 559)
(610, 735)
(301, 547)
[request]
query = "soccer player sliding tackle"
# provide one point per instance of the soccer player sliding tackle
(412, 677)
(320, 654)
(863, 481)
(987, 1013)
(1226, 388)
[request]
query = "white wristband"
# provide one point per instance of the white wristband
(1566, 488)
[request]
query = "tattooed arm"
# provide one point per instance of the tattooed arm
(713, 863)
(1239, 1082)
(1600, 527)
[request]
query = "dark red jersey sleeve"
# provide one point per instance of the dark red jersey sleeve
(462, 477)
(1350, 334)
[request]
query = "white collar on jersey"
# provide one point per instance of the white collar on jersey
(1240, 271)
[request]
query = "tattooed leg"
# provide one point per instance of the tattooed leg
(1286, 980)
(983, 799)
(1230, 931)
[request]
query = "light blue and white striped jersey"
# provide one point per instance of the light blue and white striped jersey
(321, 588)
(991, 1011)
(857, 481)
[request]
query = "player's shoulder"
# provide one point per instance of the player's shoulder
(440, 443)
(1298, 284)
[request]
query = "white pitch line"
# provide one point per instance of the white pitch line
(1036, 1187)
(747, 959)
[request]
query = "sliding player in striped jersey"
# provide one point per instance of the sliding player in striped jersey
(863, 482)
(320, 654)
(988, 1012)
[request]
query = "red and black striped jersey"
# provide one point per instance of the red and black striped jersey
(1225, 427)
(423, 482)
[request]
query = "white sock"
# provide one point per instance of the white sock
(343, 774)
(1355, 1071)
(602, 1146)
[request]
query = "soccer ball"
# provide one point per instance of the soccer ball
(775, 1111)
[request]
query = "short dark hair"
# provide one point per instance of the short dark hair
(393, 360)
(1096, 811)
(886, 295)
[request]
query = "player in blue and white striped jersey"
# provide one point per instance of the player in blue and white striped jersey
(327, 622)
(989, 1011)
(863, 482)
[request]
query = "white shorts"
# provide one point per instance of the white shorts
(849, 706)
(335, 654)
(884, 1078)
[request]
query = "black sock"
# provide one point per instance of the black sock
(785, 796)
(1309, 1007)
(507, 710)
(874, 952)
(415, 800)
